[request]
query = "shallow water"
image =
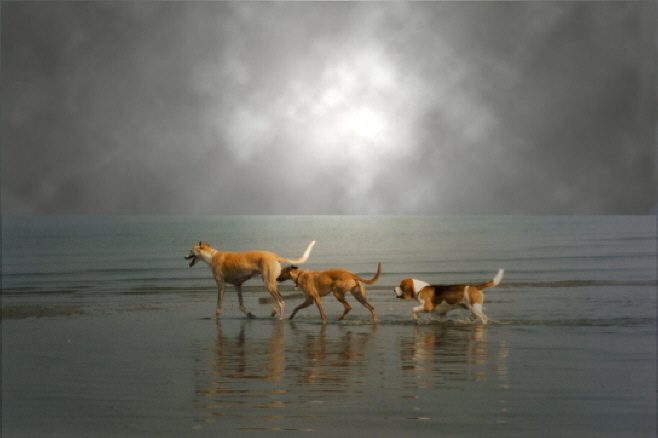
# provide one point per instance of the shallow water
(570, 349)
(169, 373)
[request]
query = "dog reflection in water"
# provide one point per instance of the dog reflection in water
(245, 373)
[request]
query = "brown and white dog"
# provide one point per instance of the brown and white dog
(319, 284)
(237, 267)
(443, 298)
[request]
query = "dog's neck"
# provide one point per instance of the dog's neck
(296, 279)
(207, 255)
(418, 285)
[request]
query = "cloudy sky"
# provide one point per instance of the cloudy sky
(328, 107)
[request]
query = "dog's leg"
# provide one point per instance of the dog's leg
(477, 311)
(270, 274)
(304, 305)
(360, 294)
(318, 302)
(420, 308)
(238, 288)
(280, 305)
(220, 293)
(415, 310)
(279, 301)
(340, 296)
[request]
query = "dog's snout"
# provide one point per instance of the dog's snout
(191, 256)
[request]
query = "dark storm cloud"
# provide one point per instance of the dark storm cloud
(328, 107)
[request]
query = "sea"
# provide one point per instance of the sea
(106, 331)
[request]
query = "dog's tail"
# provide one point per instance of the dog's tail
(494, 282)
(373, 279)
(303, 258)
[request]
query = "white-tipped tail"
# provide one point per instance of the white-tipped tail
(498, 277)
(306, 255)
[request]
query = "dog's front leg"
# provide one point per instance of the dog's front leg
(238, 287)
(304, 305)
(318, 302)
(420, 308)
(220, 293)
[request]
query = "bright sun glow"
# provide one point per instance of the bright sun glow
(354, 108)
(365, 123)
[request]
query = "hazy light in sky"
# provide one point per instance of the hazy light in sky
(328, 107)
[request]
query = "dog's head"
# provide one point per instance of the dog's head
(288, 273)
(409, 288)
(195, 252)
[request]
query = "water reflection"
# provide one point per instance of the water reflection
(322, 359)
(280, 375)
(440, 355)
(277, 372)
(442, 363)
(228, 367)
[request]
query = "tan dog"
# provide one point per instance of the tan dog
(319, 284)
(237, 267)
(443, 298)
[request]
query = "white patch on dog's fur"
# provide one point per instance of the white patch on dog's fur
(419, 285)
(467, 297)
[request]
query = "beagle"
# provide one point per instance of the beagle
(443, 298)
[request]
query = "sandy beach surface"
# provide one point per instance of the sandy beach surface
(167, 369)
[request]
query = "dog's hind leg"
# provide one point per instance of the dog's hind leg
(360, 294)
(476, 297)
(280, 304)
(340, 296)
(477, 311)
(270, 274)
(274, 291)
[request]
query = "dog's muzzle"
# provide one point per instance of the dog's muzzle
(400, 294)
(193, 258)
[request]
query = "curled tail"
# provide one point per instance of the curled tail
(303, 258)
(373, 279)
(494, 282)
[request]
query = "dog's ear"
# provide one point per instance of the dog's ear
(293, 267)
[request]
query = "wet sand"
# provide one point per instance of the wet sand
(169, 370)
